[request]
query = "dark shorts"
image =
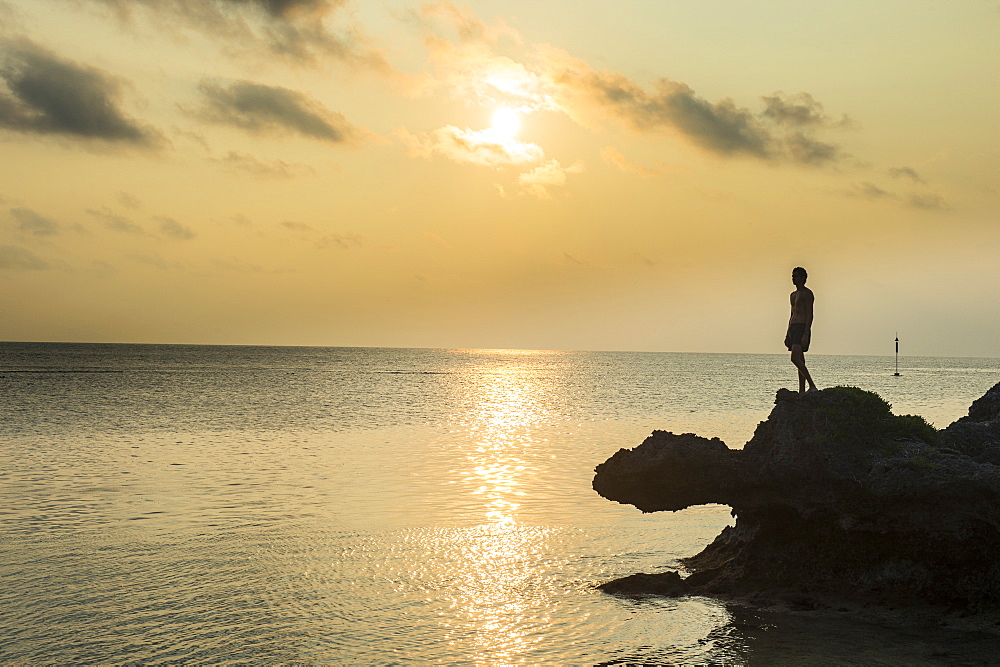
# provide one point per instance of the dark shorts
(794, 336)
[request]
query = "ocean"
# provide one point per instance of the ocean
(209, 504)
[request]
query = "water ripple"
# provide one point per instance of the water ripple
(275, 505)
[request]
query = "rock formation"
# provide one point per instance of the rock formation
(835, 498)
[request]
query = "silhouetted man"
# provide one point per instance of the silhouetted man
(800, 326)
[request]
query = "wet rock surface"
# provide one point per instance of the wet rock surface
(835, 498)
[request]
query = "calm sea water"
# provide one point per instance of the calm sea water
(264, 504)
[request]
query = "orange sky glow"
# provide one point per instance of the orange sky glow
(601, 176)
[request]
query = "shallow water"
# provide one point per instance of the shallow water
(260, 504)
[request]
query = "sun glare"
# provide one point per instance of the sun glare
(506, 122)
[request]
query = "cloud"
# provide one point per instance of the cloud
(258, 168)
(102, 269)
(258, 108)
(47, 95)
(344, 241)
(489, 64)
(115, 222)
(194, 137)
(300, 227)
(806, 150)
(444, 23)
(645, 261)
(722, 128)
(585, 93)
(289, 9)
(467, 55)
(614, 157)
(10, 18)
(924, 201)
(129, 201)
(908, 173)
(20, 259)
(869, 190)
(551, 174)
(482, 147)
(30, 222)
(173, 229)
(239, 267)
(928, 202)
(243, 221)
(801, 110)
(297, 31)
(155, 260)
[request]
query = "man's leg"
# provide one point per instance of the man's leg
(799, 359)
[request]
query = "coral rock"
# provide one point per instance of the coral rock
(834, 496)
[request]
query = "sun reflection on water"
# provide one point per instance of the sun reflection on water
(501, 556)
(506, 408)
(495, 600)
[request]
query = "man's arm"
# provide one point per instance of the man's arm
(805, 302)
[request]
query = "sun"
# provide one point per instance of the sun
(506, 122)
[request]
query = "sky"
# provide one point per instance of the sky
(627, 175)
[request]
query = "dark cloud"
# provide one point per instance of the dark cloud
(928, 202)
(305, 43)
(907, 172)
(924, 201)
(30, 222)
(194, 137)
(20, 259)
(721, 128)
(288, 9)
(259, 108)
(801, 110)
(129, 201)
(258, 168)
(645, 261)
(300, 227)
(778, 133)
(46, 94)
(173, 229)
(870, 191)
(805, 149)
(296, 30)
(243, 221)
(116, 222)
(345, 241)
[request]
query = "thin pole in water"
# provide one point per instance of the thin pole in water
(897, 356)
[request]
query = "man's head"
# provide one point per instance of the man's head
(799, 276)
